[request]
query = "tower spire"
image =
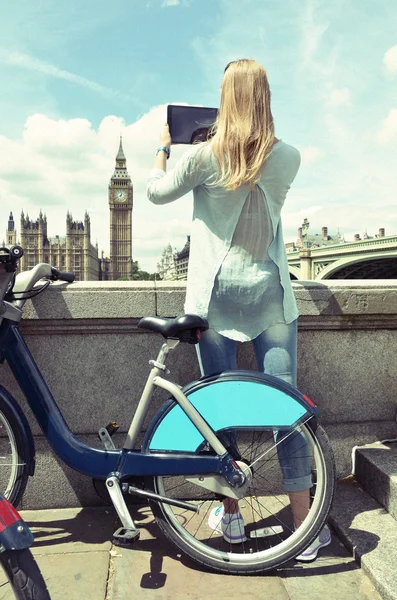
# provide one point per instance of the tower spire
(120, 155)
(11, 231)
(11, 223)
(120, 172)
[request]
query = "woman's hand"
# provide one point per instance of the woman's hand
(165, 138)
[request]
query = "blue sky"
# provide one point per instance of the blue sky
(75, 75)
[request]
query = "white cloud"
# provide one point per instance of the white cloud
(388, 130)
(25, 61)
(58, 165)
(390, 60)
(339, 97)
(309, 154)
(167, 3)
(313, 32)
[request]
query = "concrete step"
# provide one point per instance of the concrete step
(369, 532)
(375, 467)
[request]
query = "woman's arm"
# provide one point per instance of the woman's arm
(165, 187)
(161, 157)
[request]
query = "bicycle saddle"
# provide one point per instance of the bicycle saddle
(183, 328)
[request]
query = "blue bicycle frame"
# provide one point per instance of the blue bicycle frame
(90, 461)
(170, 444)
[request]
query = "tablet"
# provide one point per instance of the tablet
(189, 124)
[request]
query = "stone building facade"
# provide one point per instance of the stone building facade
(166, 268)
(173, 265)
(182, 260)
(317, 240)
(74, 252)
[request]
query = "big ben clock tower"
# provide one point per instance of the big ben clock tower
(120, 204)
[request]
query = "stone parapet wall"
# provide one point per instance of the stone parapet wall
(85, 340)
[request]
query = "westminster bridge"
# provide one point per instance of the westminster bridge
(374, 258)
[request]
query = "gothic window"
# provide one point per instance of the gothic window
(9, 239)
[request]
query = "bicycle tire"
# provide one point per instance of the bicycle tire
(24, 575)
(13, 460)
(210, 551)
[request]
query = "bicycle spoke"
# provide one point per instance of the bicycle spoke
(264, 506)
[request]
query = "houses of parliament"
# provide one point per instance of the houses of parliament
(75, 252)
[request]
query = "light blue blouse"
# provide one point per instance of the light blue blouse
(247, 297)
(216, 254)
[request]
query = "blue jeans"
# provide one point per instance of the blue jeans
(276, 354)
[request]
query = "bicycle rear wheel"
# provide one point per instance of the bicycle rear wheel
(24, 576)
(271, 537)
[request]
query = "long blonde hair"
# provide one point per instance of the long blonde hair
(243, 134)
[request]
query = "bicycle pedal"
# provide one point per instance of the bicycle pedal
(111, 428)
(125, 537)
(105, 435)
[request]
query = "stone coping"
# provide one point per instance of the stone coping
(334, 299)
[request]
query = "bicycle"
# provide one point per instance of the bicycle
(214, 438)
(17, 560)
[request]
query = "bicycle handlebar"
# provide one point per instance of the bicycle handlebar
(62, 275)
(10, 256)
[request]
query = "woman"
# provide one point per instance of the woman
(238, 273)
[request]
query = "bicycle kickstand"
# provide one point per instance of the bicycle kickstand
(127, 534)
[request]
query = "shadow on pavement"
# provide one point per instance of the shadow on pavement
(96, 526)
(88, 526)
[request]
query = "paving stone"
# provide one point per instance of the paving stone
(369, 532)
(71, 529)
(78, 562)
(74, 576)
(155, 570)
(335, 575)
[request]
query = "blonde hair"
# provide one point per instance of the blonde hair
(243, 134)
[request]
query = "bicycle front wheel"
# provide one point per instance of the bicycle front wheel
(24, 576)
(271, 538)
(13, 460)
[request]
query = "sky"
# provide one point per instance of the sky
(76, 75)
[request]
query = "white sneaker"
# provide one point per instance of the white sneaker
(230, 525)
(323, 539)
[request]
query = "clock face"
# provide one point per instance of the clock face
(120, 196)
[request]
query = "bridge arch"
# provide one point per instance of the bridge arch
(363, 267)
(294, 272)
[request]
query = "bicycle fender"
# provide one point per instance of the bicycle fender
(14, 533)
(27, 437)
(228, 400)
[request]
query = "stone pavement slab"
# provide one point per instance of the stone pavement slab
(78, 562)
(71, 529)
(155, 570)
(370, 533)
(333, 576)
(72, 548)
